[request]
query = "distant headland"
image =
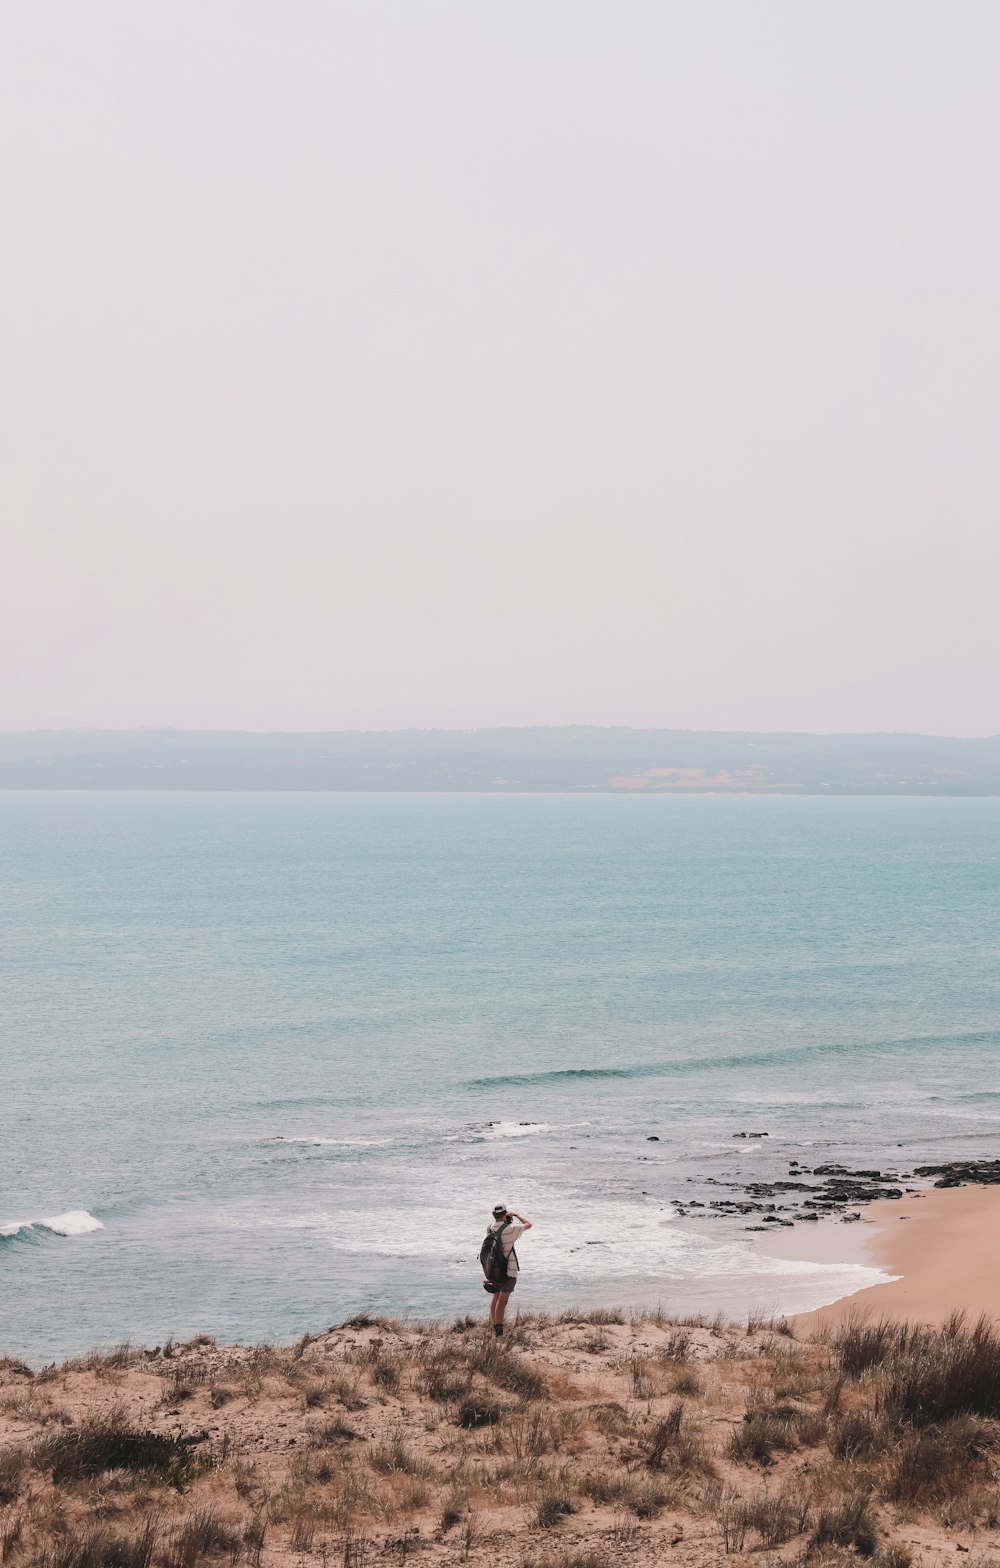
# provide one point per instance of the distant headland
(579, 759)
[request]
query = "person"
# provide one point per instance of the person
(503, 1220)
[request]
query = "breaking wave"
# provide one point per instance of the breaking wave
(75, 1222)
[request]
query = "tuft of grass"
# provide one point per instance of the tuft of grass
(940, 1462)
(394, 1458)
(774, 1516)
(387, 1372)
(98, 1546)
(335, 1430)
(847, 1523)
(936, 1375)
(13, 1463)
(640, 1385)
(455, 1505)
(862, 1343)
(587, 1557)
(605, 1316)
(357, 1548)
(116, 1359)
(678, 1345)
(348, 1391)
(505, 1369)
(685, 1380)
(595, 1343)
(767, 1428)
(473, 1413)
(100, 1446)
(666, 1434)
(444, 1380)
(674, 1435)
(11, 1530)
(304, 1522)
(640, 1496)
(204, 1534)
(855, 1436)
(11, 1367)
(552, 1509)
(314, 1392)
(536, 1432)
(755, 1440)
(896, 1556)
(254, 1534)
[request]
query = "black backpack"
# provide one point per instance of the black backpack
(492, 1256)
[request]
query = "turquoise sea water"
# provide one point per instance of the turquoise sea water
(287, 1050)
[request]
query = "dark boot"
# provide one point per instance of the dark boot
(498, 1330)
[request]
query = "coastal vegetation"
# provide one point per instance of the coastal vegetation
(581, 1441)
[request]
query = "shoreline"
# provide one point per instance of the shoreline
(940, 1247)
(920, 1256)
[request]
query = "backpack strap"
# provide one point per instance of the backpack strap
(511, 1253)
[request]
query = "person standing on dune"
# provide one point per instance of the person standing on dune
(499, 1260)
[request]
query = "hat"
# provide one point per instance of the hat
(499, 1210)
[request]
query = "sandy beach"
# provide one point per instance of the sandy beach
(942, 1247)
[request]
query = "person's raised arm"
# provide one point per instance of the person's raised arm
(521, 1219)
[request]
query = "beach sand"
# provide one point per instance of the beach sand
(943, 1247)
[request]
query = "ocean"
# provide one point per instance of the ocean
(268, 1060)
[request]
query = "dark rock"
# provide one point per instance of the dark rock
(962, 1173)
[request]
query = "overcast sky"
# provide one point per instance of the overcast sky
(434, 362)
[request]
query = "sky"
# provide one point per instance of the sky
(378, 363)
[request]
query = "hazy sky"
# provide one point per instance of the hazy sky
(390, 362)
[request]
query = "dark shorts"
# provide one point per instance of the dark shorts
(500, 1287)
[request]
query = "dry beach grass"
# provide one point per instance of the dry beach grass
(581, 1441)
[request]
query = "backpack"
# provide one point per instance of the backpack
(492, 1256)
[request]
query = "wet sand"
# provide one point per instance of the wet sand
(943, 1247)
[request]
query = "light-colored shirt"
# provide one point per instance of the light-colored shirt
(511, 1234)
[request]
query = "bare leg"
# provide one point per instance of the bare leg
(501, 1298)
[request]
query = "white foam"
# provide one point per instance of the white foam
(614, 1240)
(75, 1222)
(514, 1129)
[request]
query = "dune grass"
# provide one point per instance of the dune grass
(588, 1439)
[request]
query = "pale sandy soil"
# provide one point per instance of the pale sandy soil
(350, 1449)
(944, 1246)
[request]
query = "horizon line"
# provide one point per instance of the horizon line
(477, 729)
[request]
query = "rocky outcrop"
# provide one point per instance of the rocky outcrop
(963, 1173)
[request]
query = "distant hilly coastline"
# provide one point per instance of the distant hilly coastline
(575, 758)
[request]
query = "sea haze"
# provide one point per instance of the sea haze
(268, 1059)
